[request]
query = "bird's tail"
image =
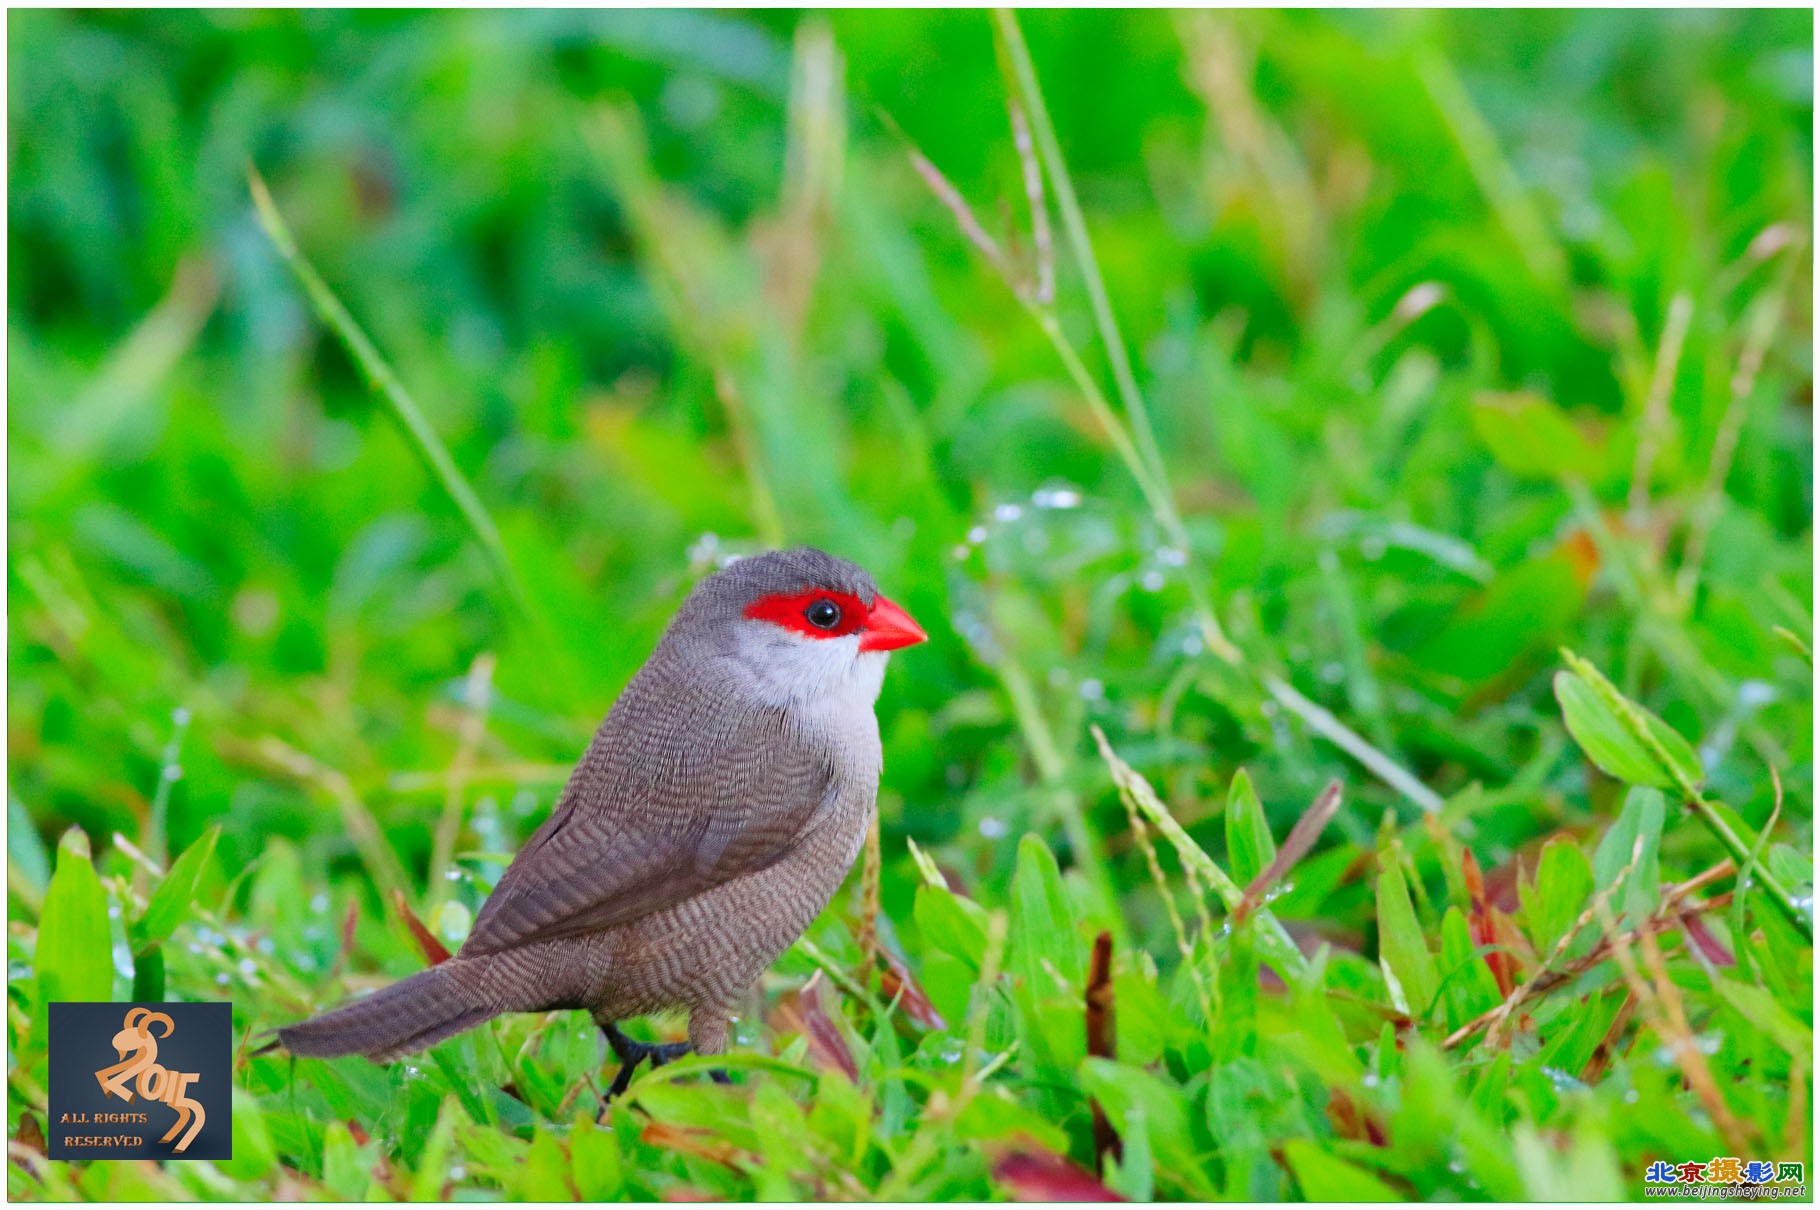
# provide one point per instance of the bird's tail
(411, 1015)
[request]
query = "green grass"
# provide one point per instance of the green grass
(1247, 403)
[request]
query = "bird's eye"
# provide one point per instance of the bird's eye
(822, 614)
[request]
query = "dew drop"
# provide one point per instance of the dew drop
(1007, 512)
(1756, 693)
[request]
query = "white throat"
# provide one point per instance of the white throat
(806, 674)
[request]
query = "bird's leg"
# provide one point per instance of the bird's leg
(668, 1052)
(708, 1035)
(630, 1054)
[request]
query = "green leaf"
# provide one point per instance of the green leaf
(1640, 820)
(1471, 989)
(148, 973)
(951, 924)
(1249, 846)
(1126, 1092)
(254, 1157)
(1328, 1178)
(1401, 950)
(1522, 610)
(347, 1167)
(542, 1177)
(1589, 1170)
(1761, 1011)
(1560, 892)
(1595, 715)
(175, 893)
(1043, 934)
(24, 850)
(434, 1159)
(1133, 1176)
(75, 958)
(1579, 1035)
(594, 1161)
(1530, 436)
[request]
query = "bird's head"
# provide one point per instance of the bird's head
(806, 625)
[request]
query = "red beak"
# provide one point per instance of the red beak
(888, 627)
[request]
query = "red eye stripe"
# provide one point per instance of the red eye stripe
(786, 609)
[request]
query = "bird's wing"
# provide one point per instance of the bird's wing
(667, 803)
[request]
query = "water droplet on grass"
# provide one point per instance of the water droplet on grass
(1056, 497)
(1563, 1081)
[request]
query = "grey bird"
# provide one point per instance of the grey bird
(717, 810)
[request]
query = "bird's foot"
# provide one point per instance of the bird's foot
(630, 1054)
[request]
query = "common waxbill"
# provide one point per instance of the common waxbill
(716, 812)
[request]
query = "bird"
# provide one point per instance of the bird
(716, 811)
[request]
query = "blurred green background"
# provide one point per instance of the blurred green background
(1465, 336)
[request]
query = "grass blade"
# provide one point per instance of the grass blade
(381, 378)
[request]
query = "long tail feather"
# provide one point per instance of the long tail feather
(409, 1016)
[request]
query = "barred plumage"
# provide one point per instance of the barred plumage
(713, 816)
